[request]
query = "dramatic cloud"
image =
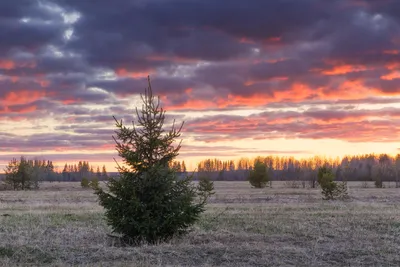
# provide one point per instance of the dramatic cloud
(261, 71)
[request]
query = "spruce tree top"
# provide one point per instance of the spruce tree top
(147, 144)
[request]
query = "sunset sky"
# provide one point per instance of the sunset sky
(281, 77)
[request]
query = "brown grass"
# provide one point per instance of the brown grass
(62, 225)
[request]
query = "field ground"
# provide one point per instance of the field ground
(62, 225)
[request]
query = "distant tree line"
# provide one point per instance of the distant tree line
(377, 168)
(369, 167)
(82, 170)
(26, 174)
(178, 166)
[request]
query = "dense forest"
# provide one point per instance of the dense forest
(369, 167)
(44, 170)
(83, 170)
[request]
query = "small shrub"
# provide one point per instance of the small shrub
(5, 187)
(206, 187)
(85, 182)
(94, 183)
(330, 189)
(258, 177)
(323, 170)
(378, 182)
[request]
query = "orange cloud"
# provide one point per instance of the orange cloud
(136, 75)
(250, 82)
(22, 97)
(391, 76)
(106, 147)
(391, 52)
(297, 92)
(343, 69)
(7, 64)
(362, 125)
(236, 100)
(27, 109)
(349, 89)
(393, 66)
(70, 101)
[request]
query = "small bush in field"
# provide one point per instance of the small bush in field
(94, 183)
(5, 187)
(206, 187)
(378, 183)
(258, 177)
(330, 189)
(85, 182)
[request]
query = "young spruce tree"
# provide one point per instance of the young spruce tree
(148, 202)
(258, 177)
(331, 190)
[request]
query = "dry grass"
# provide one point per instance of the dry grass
(62, 225)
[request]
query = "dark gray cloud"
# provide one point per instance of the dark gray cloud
(128, 86)
(28, 25)
(258, 54)
(59, 141)
(150, 36)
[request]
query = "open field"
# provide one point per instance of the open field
(62, 225)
